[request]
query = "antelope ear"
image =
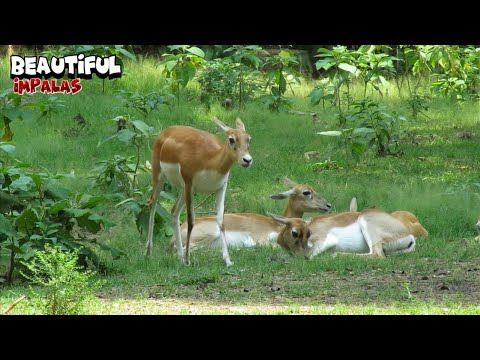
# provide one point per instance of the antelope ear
(221, 125)
(289, 182)
(282, 195)
(353, 205)
(239, 124)
(278, 218)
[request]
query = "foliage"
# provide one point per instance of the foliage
(369, 125)
(121, 172)
(325, 91)
(144, 104)
(218, 80)
(280, 75)
(11, 109)
(339, 63)
(181, 65)
(65, 284)
(50, 105)
(418, 104)
(248, 61)
(138, 205)
(37, 210)
(375, 68)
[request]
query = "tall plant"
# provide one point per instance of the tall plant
(181, 66)
(248, 62)
(279, 76)
(339, 63)
(375, 67)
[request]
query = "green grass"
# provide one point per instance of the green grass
(265, 280)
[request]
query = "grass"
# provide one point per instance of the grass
(433, 179)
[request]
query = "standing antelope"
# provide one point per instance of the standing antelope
(195, 160)
(245, 230)
(370, 232)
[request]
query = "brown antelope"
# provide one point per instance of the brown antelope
(245, 229)
(196, 161)
(370, 232)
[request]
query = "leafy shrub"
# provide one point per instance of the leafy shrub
(36, 211)
(368, 125)
(65, 284)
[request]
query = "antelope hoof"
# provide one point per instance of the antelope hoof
(148, 251)
(228, 262)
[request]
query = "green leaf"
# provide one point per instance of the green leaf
(8, 201)
(23, 183)
(106, 138)
(185, 74)
(330, 133)
(27, 219)
(358, 148)
(196, 51)
(315, 96)
(169, 65)
(8, 148)
(54, 190)
(324, 51)
(144, 128)
(84, 48)
(127, 53)
(125, 135)
(324, 63)
(37, 179)
(12, 113)
(58, 206)
(363, 131)
(160, 210)
(6, 228)
(384, 81)
(167, 195)
(77, 212)
(92, 202)
(116, 254)
(347, 67)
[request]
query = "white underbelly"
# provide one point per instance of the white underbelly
(235, 239)
(203, 181)
(349, 239)
(209, 181)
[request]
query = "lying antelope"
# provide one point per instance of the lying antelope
(195, 160)
(245, 229)
(370, 232)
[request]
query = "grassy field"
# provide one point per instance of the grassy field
(435, 179)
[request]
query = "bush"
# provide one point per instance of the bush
(66, 286)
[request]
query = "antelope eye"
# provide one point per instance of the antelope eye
(307, 193)
(294, 233)
(231, 140)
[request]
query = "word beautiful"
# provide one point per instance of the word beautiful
(27, 72)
